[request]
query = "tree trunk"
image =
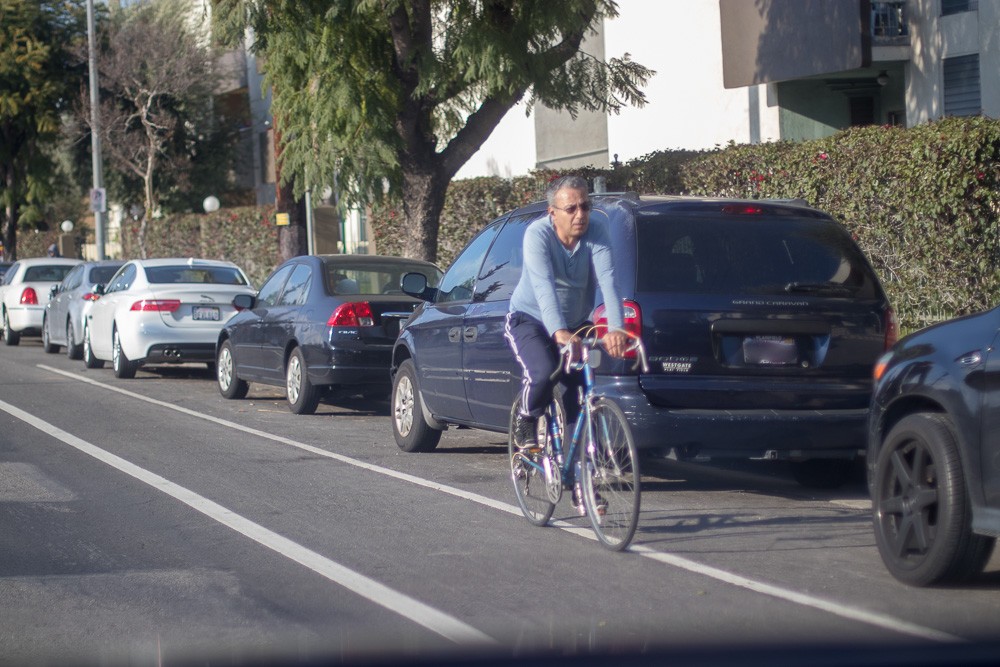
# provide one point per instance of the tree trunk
(423, 201)
(10, 233)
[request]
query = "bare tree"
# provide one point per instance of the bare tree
(156, 77)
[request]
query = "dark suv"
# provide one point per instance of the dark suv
(762, 321)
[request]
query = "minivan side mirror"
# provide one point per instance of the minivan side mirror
(415, 284)
(53, 290)
(244, 301)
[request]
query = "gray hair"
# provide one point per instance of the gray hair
(570, 182)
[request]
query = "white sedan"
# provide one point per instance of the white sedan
(161, 311)
(25, 292)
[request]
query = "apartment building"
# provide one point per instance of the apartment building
(748, 71)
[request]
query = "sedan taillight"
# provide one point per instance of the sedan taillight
(358, 314)
(29, 297)
(90, 296)
(160, 305)
(633, 321)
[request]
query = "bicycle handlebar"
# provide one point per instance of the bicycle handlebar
(589, 343)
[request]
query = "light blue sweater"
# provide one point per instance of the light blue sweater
(557, 286)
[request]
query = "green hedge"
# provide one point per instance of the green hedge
(922, 202)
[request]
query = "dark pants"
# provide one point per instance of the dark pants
(539, 357)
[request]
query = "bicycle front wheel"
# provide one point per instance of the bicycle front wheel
(610, 465)
(532, 472)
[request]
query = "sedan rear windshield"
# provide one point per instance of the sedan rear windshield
(218, 275)
(751, 256)
(371, 279)
(52, 274)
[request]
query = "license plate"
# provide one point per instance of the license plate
(210, 313)
(770, 351)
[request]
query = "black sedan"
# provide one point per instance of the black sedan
(319, 323)
(933, 451)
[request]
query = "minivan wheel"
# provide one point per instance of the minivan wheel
(230, 385)
(411, 430)
(920, 510)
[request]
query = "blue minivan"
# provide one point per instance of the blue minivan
(762, 320)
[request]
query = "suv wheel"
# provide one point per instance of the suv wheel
(411, 430)
(923, 523)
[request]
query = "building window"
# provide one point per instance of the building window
(961, 86)
(889, 19)
(958, 6)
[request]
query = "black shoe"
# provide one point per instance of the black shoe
(525, 431)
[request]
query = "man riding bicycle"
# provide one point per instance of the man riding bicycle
(564, 253)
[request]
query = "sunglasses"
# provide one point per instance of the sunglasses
(572, 208)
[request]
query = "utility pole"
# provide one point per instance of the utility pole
(95, 138)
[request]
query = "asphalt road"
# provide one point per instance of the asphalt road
(150, 521)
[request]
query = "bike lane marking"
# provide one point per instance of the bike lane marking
(829, 606)
(432, 619)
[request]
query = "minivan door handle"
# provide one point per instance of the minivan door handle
(471, 333)
(454, 334)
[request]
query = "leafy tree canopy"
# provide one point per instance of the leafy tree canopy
(36, 74)
(394, 96)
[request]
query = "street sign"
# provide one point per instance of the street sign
(98, 200)
(281, 219)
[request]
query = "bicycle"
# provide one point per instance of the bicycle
(601, 448)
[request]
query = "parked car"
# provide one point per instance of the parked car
(320, 322)
(933, 448)
(761, 319)
(24, 294)
(161, 311)
(62, 325)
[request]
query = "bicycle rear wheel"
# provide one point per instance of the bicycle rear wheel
(610, 465)
(533, 472)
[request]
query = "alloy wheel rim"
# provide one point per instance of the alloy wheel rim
(294, 382)
(116, 352)
(909, 502)
(403, 408)
(225, 369)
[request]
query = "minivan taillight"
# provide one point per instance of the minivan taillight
(29, 297)
(891, 328)
(356, 314)
(633, 321)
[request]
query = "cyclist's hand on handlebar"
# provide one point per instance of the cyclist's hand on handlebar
(616, 343)
(564, 338)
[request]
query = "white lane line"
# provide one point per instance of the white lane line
(434, 620)
(851, 613)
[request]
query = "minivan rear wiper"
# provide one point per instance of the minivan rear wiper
(833, 289)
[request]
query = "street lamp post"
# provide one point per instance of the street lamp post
(95, 135)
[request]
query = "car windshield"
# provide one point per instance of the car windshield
(739, 256)
(218, 275)
(52, 274)
(370, 278)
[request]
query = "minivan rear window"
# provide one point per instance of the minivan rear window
(760, 255)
